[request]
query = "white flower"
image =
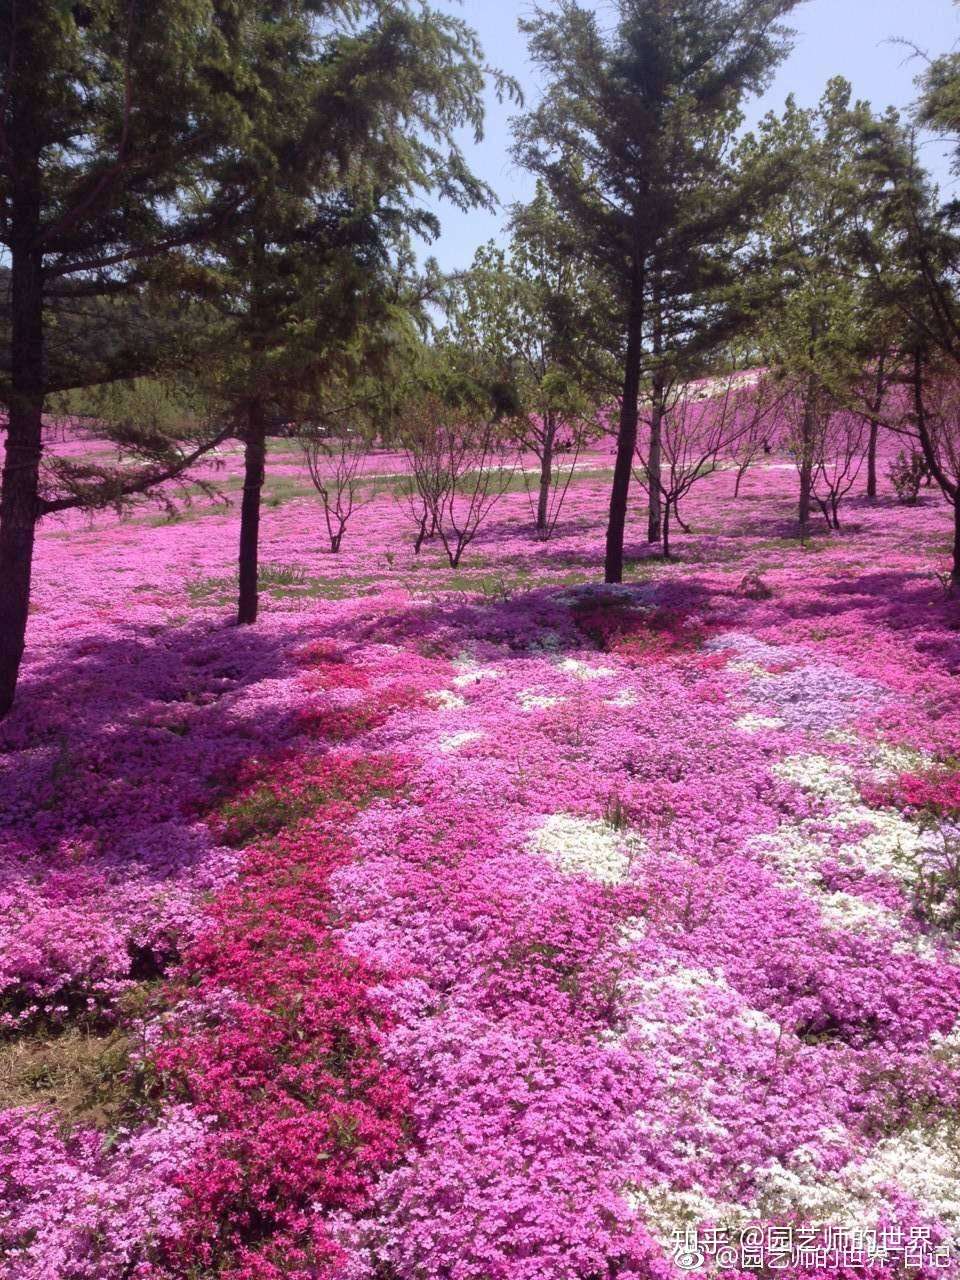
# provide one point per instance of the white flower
(665, 1210)
(847, 911)
(470, 674)
(818, 774)
(757, 1020)
(925, 1163)
(445, 699)
(755, 724)
(530, 701)
(454, 741)
(845, 737)
(888, 761)
(922, 1163)
(633, 930)
(749, 668)
(622, 699)
(584, 671)
(895, 847)
(587, 846)
(949, 1043)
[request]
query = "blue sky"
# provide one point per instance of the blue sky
(847, 37)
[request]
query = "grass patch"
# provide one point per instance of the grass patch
(92, 1076)
(297, 789)
(273, 578)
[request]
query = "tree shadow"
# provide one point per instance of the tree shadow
(129, 734)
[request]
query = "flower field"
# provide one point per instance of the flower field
(485, 924)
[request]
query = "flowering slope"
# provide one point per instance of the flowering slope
(490, 928)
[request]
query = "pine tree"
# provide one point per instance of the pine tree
(632, 140)
(311, 277)
(107, 111)
(821, 330)
(918, 278)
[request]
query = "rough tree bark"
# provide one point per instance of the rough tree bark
(546, 473)
(666, 532)
(254, 464)
(807, 435)
(654, 460)
(655, 511)
(872, 459)
(949, 485)
(21, 470)
(626, 437)
(874, 407)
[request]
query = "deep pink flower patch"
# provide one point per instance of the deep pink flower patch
(935, 793)
(276, 1039)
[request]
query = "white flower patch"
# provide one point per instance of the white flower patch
(925, 1163)
(747, 651)
(949, 1043)
(587, 846)
(756, 724)
(703, 992)
(924, 948)
(530, 701)
(888, 761)
(632, 931)
(797, 856)
(664, 1210)
(470, 674)
(802, 1188)
(622, 699)
(894, 847)
(922, 1163)
(584, 671)
(454, 741)
(793, 852)
(847, 911)
(756, 1020)
(656, 995)
(820, 775)
(445, 700)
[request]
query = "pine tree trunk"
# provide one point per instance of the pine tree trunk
(656, 513)
(21, 469)
(626, 443)
(666, 532)
(875, 407)
(254, 463)
(806, 461)
(955, 568)
(872, 459)
(546, 476)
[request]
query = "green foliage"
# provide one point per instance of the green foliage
(529, 314)
(109, 112)
(311, 283)
(633, 141)
(818, 322)
(907, 472)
